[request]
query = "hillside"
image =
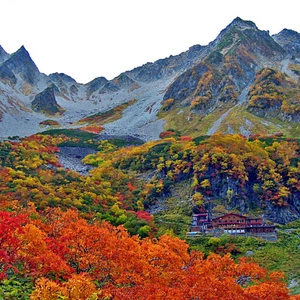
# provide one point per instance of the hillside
(170, 178)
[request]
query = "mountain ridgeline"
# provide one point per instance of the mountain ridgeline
(245, 81)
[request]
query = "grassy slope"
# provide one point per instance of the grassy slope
(193, 124)
(108, 116)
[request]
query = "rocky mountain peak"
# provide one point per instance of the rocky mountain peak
(236, 25)
(289, 40)
(223, 76)
(287, 33)
(3, 55)
(95, 85)
(245, 34)
(238, 22)
(123, 81)
(21, 63)
(22, 56)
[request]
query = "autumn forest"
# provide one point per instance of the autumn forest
(69, 236)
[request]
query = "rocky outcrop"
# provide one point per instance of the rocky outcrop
(244, 199)
(269, 96)
(45, 102)
(281, 215)
(185, 84)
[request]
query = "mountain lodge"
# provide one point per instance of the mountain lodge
(230, 223)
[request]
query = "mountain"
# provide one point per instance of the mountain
(95, 84)
(225, 80)
(245, 81)
(289, 40)
(20, 63)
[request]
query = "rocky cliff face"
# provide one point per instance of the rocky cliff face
(245, 199)
(45, 102)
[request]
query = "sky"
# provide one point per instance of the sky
(90, 38)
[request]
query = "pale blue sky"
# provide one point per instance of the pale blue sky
(90, 38)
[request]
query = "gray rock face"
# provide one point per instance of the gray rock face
(59, 78)
(95, 85)
(3, 55)
(73, 89)
(21, 63)
(289, 40)
(283, 215)
(109, 87)
(71, 157)
(6, 74)
(123, 81)
(45, 102)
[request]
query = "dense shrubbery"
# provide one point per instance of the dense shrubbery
(271, 92)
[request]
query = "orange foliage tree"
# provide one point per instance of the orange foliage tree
(95, 260)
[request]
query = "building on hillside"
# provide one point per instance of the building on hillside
(200, 222)
(230, 223)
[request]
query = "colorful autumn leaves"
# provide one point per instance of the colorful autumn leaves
(66, 256)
